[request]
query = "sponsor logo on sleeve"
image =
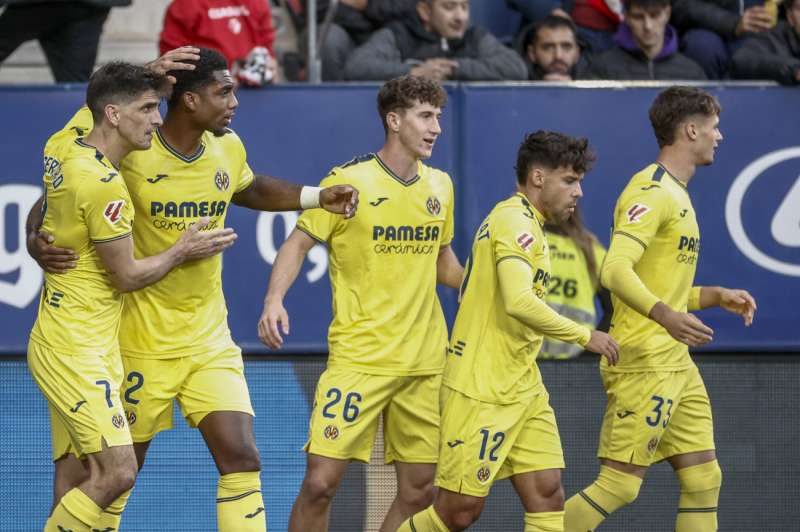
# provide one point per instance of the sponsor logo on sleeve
(113, 212)
(525, 241)
(636, 211)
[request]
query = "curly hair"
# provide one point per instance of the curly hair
(405, 91)
(203, 74)
(674, 105)
(119, 82)
(553, 150)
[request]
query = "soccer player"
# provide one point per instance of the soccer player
(388, 336)
(174, 336)
(73, 353)
(658, 407)
(496, 418)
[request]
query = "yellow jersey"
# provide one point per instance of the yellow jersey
(184, 313)
(655, 211)
(387, 319)
(492, 355)
(86, 202)
(572, 289)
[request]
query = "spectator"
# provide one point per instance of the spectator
(595, 20)
(552, 51)
(437, 43)
(353, 24)
(775, 54)
(241, 31)
(69, 32)
(647, 47)
(712, 29)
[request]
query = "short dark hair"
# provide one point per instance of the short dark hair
(674, 105)
(119, 82)
(552, 22)
(203, 74)
(646, 4)
(553, 150)
(403, 92)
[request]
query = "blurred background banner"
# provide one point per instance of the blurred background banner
(748, 202)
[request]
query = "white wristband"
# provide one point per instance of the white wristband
(309, 197)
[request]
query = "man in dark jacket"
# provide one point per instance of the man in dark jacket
(713, 29)
(775, 54)
(647, 47)
(435, 42)
(69, 32)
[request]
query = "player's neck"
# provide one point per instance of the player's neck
(677, 164)
(402, 163)
(109, 143)
(532, 194)
(181, 135)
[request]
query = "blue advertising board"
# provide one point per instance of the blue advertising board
(748, 201)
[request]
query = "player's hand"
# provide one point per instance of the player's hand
(755, 19)
(268, 331)
(603, 344)
(684, 327)
(196, 243)
(175, 60)
(339, 199)
(50, 258)
(739, 302)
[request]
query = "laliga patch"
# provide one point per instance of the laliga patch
(113, 212)
(525, 241)
(636, 211)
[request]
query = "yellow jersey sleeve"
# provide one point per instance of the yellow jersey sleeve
(640, 213)
(320, 224)
(448, 230)
(246, 175)
(103, 202)
(513, 237)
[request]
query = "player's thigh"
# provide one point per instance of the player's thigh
(215, 382)
(538, 445)
(411, 421)
(84, 397)
(638, 411)
(476, 438)
(347, 406)
(149, 387)
(691, 427)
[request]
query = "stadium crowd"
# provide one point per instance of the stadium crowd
(376, 40)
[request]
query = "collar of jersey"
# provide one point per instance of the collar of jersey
(176, 153)
(678, 181)
(395, 176)
(526, 203)
(97, 153)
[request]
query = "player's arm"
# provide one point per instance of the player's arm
(129, 274)
(618, 275)
(731, 299)
(515, 278)
(40, 246)
(449, 270)
(271, 194)
(284, 272)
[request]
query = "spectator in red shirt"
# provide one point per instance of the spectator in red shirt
(240, 29)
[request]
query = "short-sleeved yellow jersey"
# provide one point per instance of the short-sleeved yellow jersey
(572, 289)
(656, 211)
(492, 355)
(86, 202)
(184, 313)
(387, 319)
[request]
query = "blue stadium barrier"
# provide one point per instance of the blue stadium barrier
(746, 201)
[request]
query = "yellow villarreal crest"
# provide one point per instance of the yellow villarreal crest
(222, 179)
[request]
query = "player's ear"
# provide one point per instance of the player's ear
(393, 121)
(691, 130)
(111, 112)
(536, 177)
(190, 100)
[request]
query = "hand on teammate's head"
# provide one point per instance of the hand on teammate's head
(175, 60)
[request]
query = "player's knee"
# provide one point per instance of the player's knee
(417, 497)
(552, 494)
(319, 489)
(465, 516)
(118, 478)
(710, 479)
(243, 458)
